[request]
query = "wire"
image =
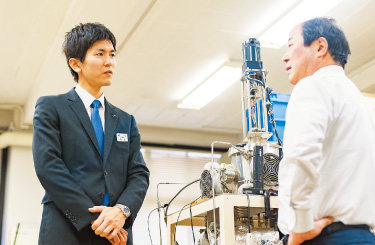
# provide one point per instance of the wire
(15, 238)
(248, 210)
(159, 205)
(148, 224)
(178, 217)
(270, 113)
(254, 80)
(191, 222)
(178, 193)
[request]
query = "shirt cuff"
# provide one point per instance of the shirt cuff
(304, 221)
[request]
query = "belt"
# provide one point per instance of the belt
(339, 226)
(332, 228)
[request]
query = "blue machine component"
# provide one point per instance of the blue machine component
(279, 102)
(262, 112)
(253, 87)
(251, 55)
(256, 113)
(255, 123)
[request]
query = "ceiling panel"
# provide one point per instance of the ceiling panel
(165, 49)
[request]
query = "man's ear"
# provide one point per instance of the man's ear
(75, 64)
(322, 47)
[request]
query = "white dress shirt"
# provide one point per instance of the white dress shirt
(328, 167)
(87, 100)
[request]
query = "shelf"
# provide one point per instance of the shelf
(225, 204)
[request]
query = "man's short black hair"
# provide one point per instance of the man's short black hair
(338, 45)
(81, 38)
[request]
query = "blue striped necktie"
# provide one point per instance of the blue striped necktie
(98, 128)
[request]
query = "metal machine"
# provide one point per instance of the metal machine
(253, 167)
(259, 158)
(255, 161)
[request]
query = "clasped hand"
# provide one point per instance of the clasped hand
(110, 224)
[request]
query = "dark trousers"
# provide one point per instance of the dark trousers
(352, 237)
(339, 234)
(56, 229)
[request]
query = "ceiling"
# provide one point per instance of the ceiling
(165, 49)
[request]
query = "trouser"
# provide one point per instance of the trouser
(56, 229)
(339, 234)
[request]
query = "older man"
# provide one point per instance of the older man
(327, 173)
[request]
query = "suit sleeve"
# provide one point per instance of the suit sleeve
(137, 176)
(51, 170)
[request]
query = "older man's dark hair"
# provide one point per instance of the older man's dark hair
(81, 38)
(338, 45)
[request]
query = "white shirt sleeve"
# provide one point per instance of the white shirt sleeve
(307, 118)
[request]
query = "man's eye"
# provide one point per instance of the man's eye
(113, 55)
(99, 54)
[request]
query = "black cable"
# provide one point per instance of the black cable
(269, 109)
(178, 217)
(178, 193)
(270, 113)
(148, 224)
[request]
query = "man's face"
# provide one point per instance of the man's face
(98, 67)
(299, 59)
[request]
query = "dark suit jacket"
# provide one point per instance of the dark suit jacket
(74, 175)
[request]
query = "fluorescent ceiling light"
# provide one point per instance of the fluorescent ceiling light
(219, 81)
(277, 35)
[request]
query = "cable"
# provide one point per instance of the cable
(148, 224)
(270, 113)
(191, 222)
(178, 217)
(15, 238)
(159, 205)
(166, 211)
(249, 73)
(248, 210)
(254, 80)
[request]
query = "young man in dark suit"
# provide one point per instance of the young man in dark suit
(87, 151)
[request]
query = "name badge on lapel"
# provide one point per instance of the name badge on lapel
(122, 137)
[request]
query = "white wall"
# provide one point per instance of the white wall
(23, 195)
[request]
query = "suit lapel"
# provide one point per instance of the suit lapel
(110, 128)
(79, 109)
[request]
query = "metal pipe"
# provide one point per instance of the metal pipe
(265, 121)
(159, 206)
(249, 107)
(244, 123)
(259, 125)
